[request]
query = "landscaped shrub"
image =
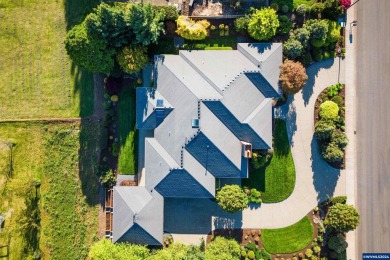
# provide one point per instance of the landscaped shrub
(108, 179)
(191, 30)
(317, 54)
(324, 129)
(332, 9)
(262, 254)
(258, 160)
(329, 110)
(285, 9)
(340, 138)
(343, 217)
(232, 198)
(285, 25)
(332, 153)
(169, 12)
(132, 58)
(292, 48)
(309, 253)
(326, 55)
(292, 76)
(318, 31)
(274, 6)
(241, 24)
(301, 9)
(254, 196)
(306, 59)
(251, 254)
(223, 249)
(345, 4)
(334, 89)
(338, 199)
(337, 243)
(338, 100)
(317, 8)
(263, 24)
(316, 249)
(302, 35)
(333, 31)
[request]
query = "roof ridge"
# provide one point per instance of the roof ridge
(256, 110)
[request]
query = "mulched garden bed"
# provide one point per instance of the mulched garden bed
(319, 101)
(244, 236)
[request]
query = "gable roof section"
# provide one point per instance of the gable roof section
(132, 215)
(242, 131)
(137, 235)
(211, 158)
(262, 84)
(180, 184)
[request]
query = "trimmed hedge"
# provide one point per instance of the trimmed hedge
(329, 110)
(324, 129)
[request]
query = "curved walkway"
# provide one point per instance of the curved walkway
(315, 179)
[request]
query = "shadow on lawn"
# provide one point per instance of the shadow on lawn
(325, 177)
(312, 72)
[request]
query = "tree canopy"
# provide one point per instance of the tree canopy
(292, 76)
(106, 250)
(263, 24)
(343, 217)
(232, 198)
(318, 31)
(223, 249)
(132, 59)
(88, 51)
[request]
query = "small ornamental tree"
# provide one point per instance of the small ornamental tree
(88, 51)
(223, 249)
(343, 217)
(345, 4)
(292, 48)
(292, 76)
(302, 35)
(318, 31)
(263, 24)
(232, 198)
(132, 59)
(324, 129)
(329, 110)
(191, 30)
(241, 24)
(333, 31)
(332, 153)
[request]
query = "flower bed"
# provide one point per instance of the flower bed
(329, 122)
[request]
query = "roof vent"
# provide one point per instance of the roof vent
(160, 103)
(195, 123)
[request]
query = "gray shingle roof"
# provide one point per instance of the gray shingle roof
(229, 93)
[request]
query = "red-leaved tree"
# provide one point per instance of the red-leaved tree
(345, 3)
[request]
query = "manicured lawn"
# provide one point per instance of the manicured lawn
(219, 42)
(289, 239)
(275, 180)
(128, 137)
(61, 157)
(37, 78)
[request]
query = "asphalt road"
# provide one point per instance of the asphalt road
(373, 124)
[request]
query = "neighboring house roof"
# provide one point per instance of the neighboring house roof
(207, 105)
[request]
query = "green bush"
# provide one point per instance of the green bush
(318, 31)
(317, 54)
(243, 253)
(292, 48)
(338, 199)
(326, 55)
(251, 254)
(317, 8)
(334, 89)
(274, 6)
(324, 129)
(340, 139)
(262, 254)
(285, 25)
(241, 24)
(285, 9)
(114, 149)
(316, 249)
(308, 252)
(343, 217)
(301, 9)
(329, 110)
(332, 9)
(263, 24)
(191, 30)
(332, 153)
(337, 243)
(306, 59)
(108, 179)
(338, 100)
(254, 196)
(169, 12)
(223, 249)
(302, 35)
(333, 31)
(231, 198)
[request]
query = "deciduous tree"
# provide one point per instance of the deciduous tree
(132, 59)
(263, 24)
(232, 198)
(292, 76)
(343, 217)
(318, 31)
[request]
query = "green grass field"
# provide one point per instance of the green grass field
(128, 137)
(221, 43)
(62, 158)
(275, 180)
(37, 78)
(289, 239)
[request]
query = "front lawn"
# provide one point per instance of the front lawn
(275, 180)
(37, 78)
(65, 208)
(128, 137)
(289, 239)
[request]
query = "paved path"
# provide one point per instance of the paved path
(373, 125)
(315, 179)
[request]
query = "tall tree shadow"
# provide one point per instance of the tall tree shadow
(287, 112)
(325, 177)
(312, 73)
